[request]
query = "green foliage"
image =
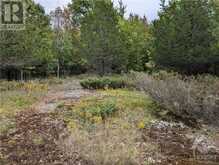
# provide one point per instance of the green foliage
(92, 111)
(103, 83)
(120, 127)
(97, 37)
(74, 61)
(28, 47)
(79, 8)
(183, 36)
(38, 33)
(104, 110)
(67, 52)
(108, 105)
(215, 23)
(101, 38)
(137, 41)
(109, 41)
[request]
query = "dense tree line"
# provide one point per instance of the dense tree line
(186, 36)
(28, 48)
(111, 43)
(96, 36)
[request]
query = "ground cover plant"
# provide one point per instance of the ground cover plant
(106, 128)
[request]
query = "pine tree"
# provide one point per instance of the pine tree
(136, 39)
(101, 37)
(183, 36)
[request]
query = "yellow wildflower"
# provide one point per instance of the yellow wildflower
(141, 125)
(97, 119)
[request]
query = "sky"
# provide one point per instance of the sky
(141, 7)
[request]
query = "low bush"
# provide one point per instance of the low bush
(103, 110)
(195, 98)
(104, 83)
(89, 111)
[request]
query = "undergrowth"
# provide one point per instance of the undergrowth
(113, 82)
(193, 99)
(106, 127)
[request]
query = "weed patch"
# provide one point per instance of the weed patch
(106, 128)
(15, 97)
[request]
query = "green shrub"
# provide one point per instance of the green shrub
(103, 110)
(93, 112)
(104, 83)
(107, 109)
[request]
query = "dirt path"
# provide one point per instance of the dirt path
(66, 93)
(34, 140)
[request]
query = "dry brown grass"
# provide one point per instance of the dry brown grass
(188, 97)
(104, 146)
(116, 140)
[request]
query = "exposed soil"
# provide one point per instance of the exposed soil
(63, 94)
(34, 141)
(177, 144)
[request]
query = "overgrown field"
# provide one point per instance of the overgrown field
(16, 96)
(20, 96)
(106, 128)
(134, 119)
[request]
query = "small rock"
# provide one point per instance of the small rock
(203, 145)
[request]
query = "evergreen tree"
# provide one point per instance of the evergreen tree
(79, 9)
(101, 37)
(183, 36)
(215, 23)
(122, 8)
(137, 41)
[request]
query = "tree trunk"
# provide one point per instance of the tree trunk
(103, 68)
(58, 70)
(22, 75)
